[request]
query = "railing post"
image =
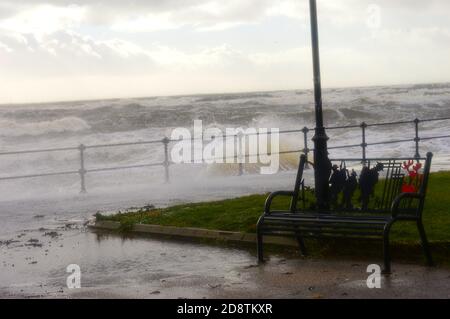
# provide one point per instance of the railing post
(239, 155)
(417, 138)
(82, 170)
(363, 144)
(305, 131)
(166, 141)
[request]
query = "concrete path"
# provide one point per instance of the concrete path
(33, 265)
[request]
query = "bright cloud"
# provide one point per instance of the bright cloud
(44, 19)
(109, 48)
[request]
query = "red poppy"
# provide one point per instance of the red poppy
(407, 165)
(408, 188)
(417, 167)
(412, 174)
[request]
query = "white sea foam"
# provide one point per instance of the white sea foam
(66, 124)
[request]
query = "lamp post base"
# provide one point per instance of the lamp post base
(322, 169)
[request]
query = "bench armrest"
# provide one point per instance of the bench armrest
(272, 196)
(397, 201)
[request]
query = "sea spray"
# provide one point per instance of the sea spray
(235, 145)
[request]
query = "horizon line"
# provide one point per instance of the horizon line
(216, 93)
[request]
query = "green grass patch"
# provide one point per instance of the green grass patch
(241, 214)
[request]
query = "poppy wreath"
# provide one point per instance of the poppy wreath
(414, 179)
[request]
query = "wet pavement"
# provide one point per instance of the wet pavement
(33, 265)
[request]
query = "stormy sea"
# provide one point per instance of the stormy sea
(43, 218)
(69, 124)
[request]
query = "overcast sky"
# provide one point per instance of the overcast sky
(68, 50)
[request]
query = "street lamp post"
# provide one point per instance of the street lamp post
(322, 165)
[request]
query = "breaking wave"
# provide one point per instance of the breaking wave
(43, 126)
(67, 124)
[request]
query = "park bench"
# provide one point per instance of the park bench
(387, 191)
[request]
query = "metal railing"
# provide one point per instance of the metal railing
(82, 149)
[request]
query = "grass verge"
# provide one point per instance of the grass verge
(241, 214)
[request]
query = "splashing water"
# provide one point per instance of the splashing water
(41, 126)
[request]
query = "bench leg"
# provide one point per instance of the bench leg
(260, 248)
(386, 251)
(259, 240)
(301, 245)
(424, 241)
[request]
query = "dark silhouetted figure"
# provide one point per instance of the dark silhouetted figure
(367, 181)
(337, 182)
(349, 189)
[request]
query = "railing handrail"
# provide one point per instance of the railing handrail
(165, 141)
(72, 148)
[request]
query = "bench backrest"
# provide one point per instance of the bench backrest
(373, 187)
(378, 182)
(424, 186)
(298, 183)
